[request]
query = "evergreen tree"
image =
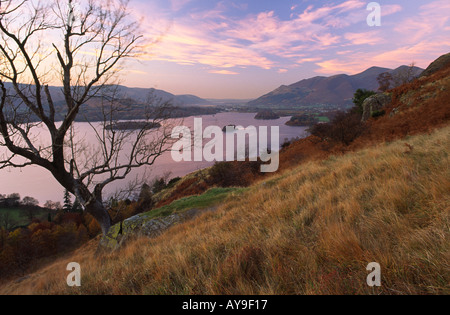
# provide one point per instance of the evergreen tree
(67, 202)
(360, 96)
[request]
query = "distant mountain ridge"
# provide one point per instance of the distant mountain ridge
(335, 90)
(138, 95)
(141, 94)
(131, 101)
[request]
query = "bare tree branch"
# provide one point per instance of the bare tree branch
(86, 60)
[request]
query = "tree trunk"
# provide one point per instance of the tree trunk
(99, 212)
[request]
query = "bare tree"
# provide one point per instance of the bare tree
(81, 45)
(52, 205)
(405, 75)
(30, 202)
(385, 81)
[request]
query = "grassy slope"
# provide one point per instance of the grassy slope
(211, 198)
(311, 230)
(20, 218)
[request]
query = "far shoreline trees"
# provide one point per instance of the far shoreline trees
(16, 212)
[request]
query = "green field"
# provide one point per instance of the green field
(324, 119)
(19, 217)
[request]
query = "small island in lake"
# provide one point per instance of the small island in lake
(133, 125)
(303, 121)
(267, 115)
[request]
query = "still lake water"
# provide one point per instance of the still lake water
(39, 183)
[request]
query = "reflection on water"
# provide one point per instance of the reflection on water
(39, 183)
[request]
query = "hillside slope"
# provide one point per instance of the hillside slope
(311, 230)
(335, 90)
(417, 107)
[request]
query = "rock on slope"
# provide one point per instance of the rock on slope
(375, 103)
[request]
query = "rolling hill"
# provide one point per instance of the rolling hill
(337, 90)
(140, 94)
(137, 94)
(131, 102)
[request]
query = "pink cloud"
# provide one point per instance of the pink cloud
(352, 62)
(431, 17)
(335, 66)
(419, 53)
(389, 9)
(266, 41)
(226, 72)
(367, 38)
(209, 38)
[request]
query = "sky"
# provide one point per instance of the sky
(243, 49)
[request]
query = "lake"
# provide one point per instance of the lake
(38, 183)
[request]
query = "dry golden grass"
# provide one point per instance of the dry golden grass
(311, 230)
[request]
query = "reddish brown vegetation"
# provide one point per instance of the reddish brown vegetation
(234, 174)
(421, 106)
(20, 248)
(417, 107)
